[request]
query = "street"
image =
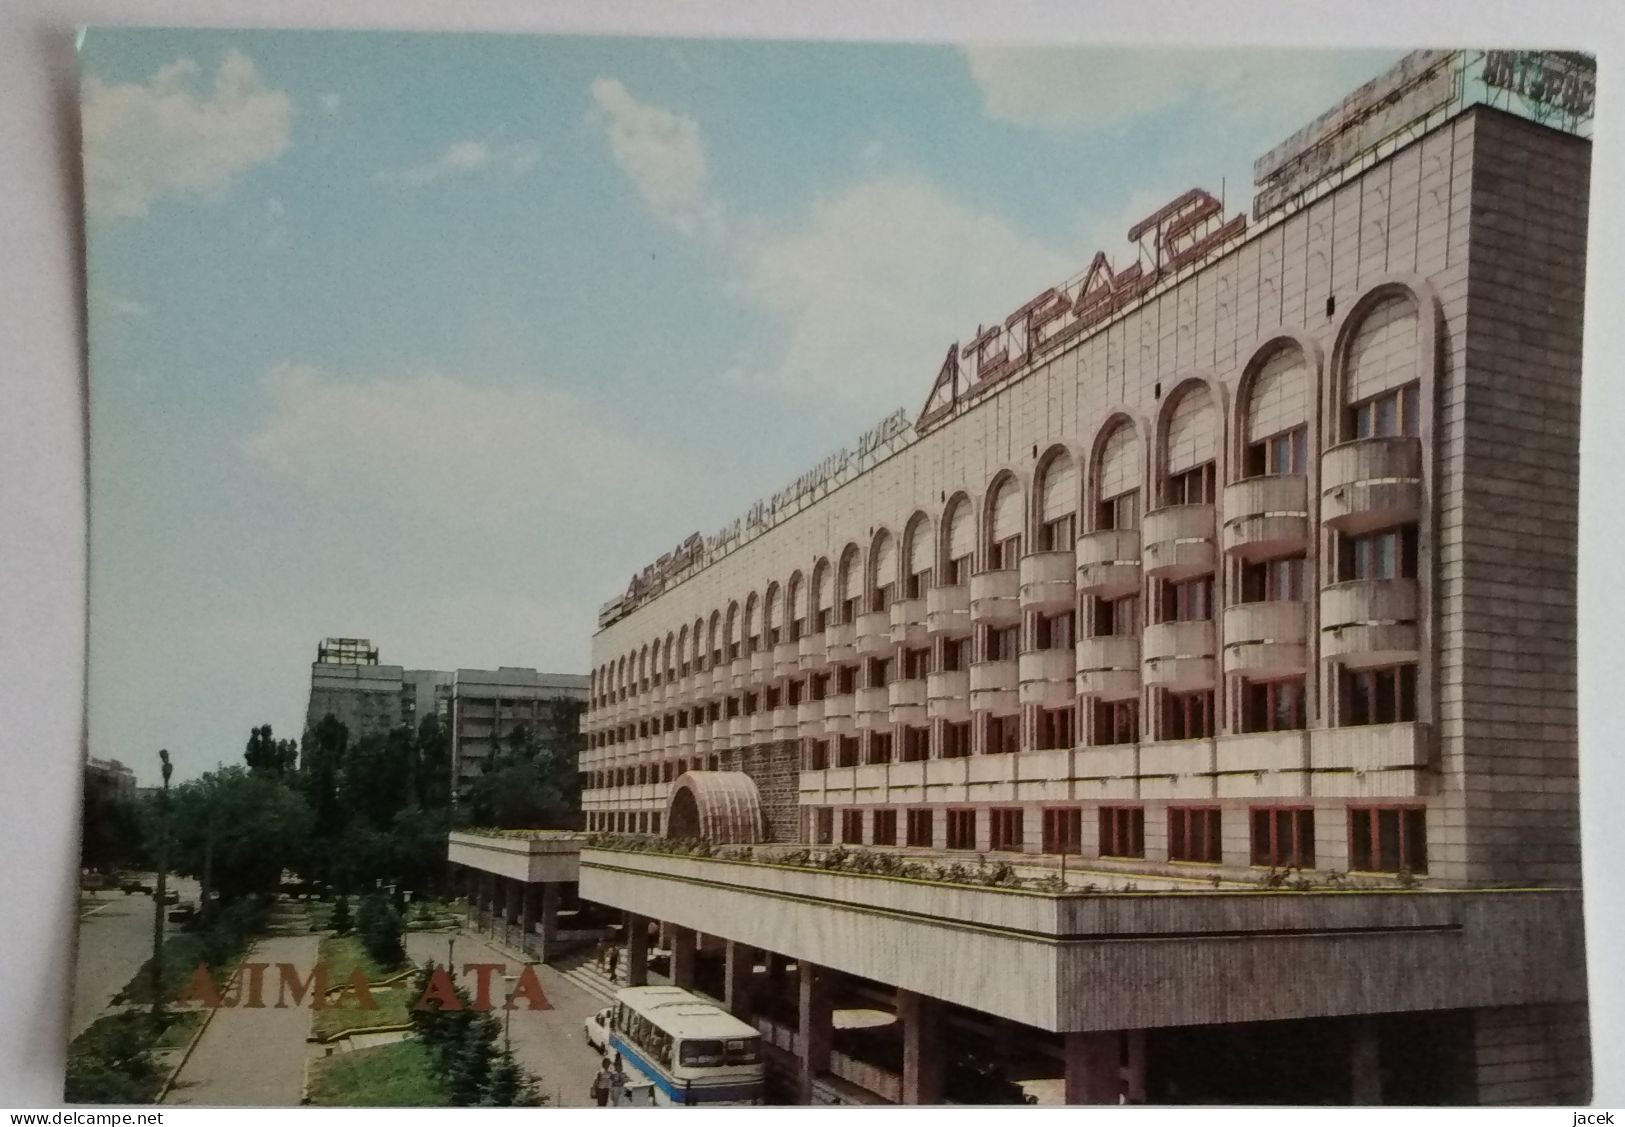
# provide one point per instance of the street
(115, 938)
(547, 1043)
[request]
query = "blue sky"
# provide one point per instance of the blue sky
(436, 339)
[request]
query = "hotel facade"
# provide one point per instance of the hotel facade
(1241, 583)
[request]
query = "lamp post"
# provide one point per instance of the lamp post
(507, 1010)
(451, 966)
(159, 891)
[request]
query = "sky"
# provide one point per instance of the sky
(436, 339)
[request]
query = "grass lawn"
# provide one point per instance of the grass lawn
(178, 1029)
(182, 954)
(397, 1075)
(342, 954)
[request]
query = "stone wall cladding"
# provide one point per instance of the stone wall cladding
(775, 769)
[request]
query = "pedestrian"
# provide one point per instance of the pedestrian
(614, 962)
(603, 950)
(602, 1083)
(617, 1084)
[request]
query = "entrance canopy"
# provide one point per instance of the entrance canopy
(717, 806)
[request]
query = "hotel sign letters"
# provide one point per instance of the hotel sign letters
(1176, 235)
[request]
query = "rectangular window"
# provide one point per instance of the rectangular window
(1388, 839)
(1000, 644)
(1117, 618)
(1193, 834)
(1120, 512)
(852, 827)
(879, 747)
(916, 744)
(885, 827)
(1053, 632)
(1004, 829)
(1283, 837)
(1379, 555)
(956, 740)
(1274, 581)
(1284, 453)
(846, 679)
(957, 571)
(1191, 601)
(817, 755)
(1193, 487)
(954, 654)
(1058, 535)
(1055, 728)
(1004, 554)
(823, 825)
(1063, 830)
(1117, 722)
(1122, 831)
(961, 829)
(879, 672)
(1272, 706)
(917, 584)
(1187, 716)
(1003, 735)
(921, 828)
(916, 664)
(1391, 414)
(1377, 696)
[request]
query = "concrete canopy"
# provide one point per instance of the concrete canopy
(719, 806)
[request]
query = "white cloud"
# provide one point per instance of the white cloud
(459, 451)
(884, 277)
(463, 158)
(664, 156)
(177, 136)
(1111, 89)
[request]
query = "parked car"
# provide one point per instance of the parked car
(597, 1029)
(130, 886)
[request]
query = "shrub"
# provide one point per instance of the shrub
(380, 927)
(340, 920)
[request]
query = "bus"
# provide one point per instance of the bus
(690, 1052)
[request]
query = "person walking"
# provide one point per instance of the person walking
(602, 1083)
(614, 962)
(601, 953)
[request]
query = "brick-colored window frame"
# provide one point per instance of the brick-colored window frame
(1122, 831)
(883, 827)
(961, 829)
(1005, 828)
(1195, 834)
(823, 825)
(1283, 836)
(1388, 839)
(921, 827)
(852, 827)
(1062, 830)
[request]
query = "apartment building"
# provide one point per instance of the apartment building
(1256, 556)
(484, 707)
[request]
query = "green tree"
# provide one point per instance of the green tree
(112, 826)
(531, 779)
(381, 928)
(471, 1060)
(433, 765)
(267, 755)
(510, 1085)
(244, 829)
(341, 921)
(320, 767)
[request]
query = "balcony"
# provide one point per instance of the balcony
(684, 747)
(813, 652)
(874, 634)
(1109, 563)
(727, 733)
(1109, 667)
(1368, 622)
(947, 611)
(702, 738)
(1267, 516)
(993, 687)
(1371, 483)
(1049, 582)
(738, 673)
(947, 695)
(1178, 542)
(1048, 678)
(785, 725)
(1179, 655)
(873, 709)
(810, 719)
(907, 702)
(908, 623)
(839, 643)
(838, 715)
(786, 659)
(993, 598)
(761, 665)
(1266, 638)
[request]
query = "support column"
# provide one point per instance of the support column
(739, 969)
(637, 951)
(527, 918)
(815, 1030)
(1092, 1063)
(489, 898)
(1365, 1063)
(512, 892)
(1135, 1080)
(922, 1020)
(683, 951)
(550, 913)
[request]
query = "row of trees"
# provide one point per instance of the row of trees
(345, 814)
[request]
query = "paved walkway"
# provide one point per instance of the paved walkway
(115, 938)
(253, 1058)
(548, 1043)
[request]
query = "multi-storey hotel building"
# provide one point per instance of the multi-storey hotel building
(1258, 556)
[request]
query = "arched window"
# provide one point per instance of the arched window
(753, 624)
(1275, 416)
(1190, 447)
(882, 571)
(917, 553)
(771, 613)
(716, 640)
(1381, 395)
(1004, 524)
(1117, 479)
(795, 607)
(823, 596)
(958, 541)
(847, 589)
(683, 656)
(1056, 507)
(733, 634)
